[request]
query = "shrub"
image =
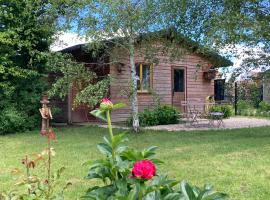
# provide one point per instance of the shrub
(148, 118)
(166, 115)
(251, 92)
(11, 120)
(243, 106)
(159, 116)
(264, 106)
(227, 110)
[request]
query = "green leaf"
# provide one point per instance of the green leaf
(161, 181)
(172, 196)
(101, 170)
(150, 152)
(118, 139)
(100, 193)
(59, 172)
(132, 155)
(132, 195)
(121, 148)
(153, 196)
(197, 191)
(101, 114)
(107, 141)
(216, 196)
(123, 165)
(122, 187)
(156, 161)
(118, 106)
(187, 191)
(105, 149)
(92, 175)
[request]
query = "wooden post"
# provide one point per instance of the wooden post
(46, 114)
(235, 98)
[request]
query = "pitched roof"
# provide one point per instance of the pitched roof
(194, 47)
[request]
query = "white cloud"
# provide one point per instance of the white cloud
(238, 54)
(67, 39)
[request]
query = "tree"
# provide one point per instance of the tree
(245, 24)
(26, 30)
(72, 75)
(210, 23)
(122, 24)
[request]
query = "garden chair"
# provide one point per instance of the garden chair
(190, 112)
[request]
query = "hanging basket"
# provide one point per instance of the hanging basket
(210, 75)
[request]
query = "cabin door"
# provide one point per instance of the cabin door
(178, 87)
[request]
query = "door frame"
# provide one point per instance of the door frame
(172, 80)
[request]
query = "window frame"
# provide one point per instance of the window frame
(141, 90)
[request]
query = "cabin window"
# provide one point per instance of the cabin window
(179, 80)
(145, 76)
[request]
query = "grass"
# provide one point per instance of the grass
(234, 161)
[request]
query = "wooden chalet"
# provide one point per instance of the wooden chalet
(173, 81)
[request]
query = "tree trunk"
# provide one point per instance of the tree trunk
(69, 108)
(134, 97)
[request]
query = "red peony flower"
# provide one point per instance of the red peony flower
(144, 169)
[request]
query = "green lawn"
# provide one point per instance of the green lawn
(235, 161)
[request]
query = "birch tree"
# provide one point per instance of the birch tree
(210, 23)
(120, 23)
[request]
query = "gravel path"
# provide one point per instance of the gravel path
(232, 123)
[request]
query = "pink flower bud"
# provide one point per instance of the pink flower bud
(106, 104)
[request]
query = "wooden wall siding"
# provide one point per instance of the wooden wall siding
(162, 82)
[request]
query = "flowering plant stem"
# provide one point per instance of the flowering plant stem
(141, 192)
(49, 167)
(27, 173)
(108, 116)
(109, 124)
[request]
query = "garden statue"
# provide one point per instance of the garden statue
(46, 114)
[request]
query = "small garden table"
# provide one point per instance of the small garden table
(216, 116)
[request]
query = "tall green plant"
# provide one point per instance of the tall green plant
(129, 174)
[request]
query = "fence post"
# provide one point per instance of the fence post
(235, 98)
